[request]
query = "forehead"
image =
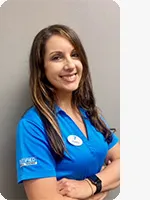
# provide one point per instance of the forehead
(58, 43)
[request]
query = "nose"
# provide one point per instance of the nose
(69, 64)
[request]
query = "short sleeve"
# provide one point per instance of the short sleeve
(115, 139)
(33, 156)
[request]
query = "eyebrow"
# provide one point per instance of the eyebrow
(53, 52)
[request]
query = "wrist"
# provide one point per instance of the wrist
(92, 186)
(95, 183)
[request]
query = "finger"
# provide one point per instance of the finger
(63, 180)
(63, 192)
(99, 196)
(104, 195)
(102, 198)
(66, 192)
(109, 162)
(60, 186)
(62, 183)
(103, 167)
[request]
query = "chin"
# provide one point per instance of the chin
(71, 89)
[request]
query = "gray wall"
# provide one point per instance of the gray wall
(97, 23)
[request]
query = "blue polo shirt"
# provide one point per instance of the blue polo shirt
(33, 151)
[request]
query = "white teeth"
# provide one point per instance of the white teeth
(69, 78)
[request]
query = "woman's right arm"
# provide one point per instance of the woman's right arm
(43, 189)
(34, 161)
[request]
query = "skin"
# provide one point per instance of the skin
(62, 61)
(110, 177)
(63, 69)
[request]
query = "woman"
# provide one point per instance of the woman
(62, 140)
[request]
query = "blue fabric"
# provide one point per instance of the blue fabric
(33, 152)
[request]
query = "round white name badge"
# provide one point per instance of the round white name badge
(75, 140)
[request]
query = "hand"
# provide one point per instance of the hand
(104, 166)
(74, 189)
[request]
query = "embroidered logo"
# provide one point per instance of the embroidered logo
(28, 161)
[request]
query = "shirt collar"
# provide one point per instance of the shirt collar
(57, 109)
(82, 110)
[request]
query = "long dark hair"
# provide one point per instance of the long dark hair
(43, 93)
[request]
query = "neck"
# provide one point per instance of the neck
(64, 101)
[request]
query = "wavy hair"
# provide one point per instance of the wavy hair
(43, 93)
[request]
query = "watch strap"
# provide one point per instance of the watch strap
(97, 182)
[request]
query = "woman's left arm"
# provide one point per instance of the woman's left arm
(110, 175)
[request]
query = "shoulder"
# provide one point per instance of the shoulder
(30, 121)
(31, 115)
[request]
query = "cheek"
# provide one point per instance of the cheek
(50, 75)
(80, 66)
(81, 69)
(51, 71)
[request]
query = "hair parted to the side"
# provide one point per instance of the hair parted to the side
(43, 93)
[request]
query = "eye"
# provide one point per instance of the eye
(56, 57)
(75, 54)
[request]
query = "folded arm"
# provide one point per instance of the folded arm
(102, 195)
(110, 177)
(44, 188)
(49, 188)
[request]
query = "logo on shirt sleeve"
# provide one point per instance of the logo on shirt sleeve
(28, 161)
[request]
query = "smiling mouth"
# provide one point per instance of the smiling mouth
(69, 77)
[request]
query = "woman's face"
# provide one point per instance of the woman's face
(63, 67)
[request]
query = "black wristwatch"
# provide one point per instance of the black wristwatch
(97, 182)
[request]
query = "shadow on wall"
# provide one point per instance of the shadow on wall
(8, 123)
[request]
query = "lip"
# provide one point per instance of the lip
(69, 74)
